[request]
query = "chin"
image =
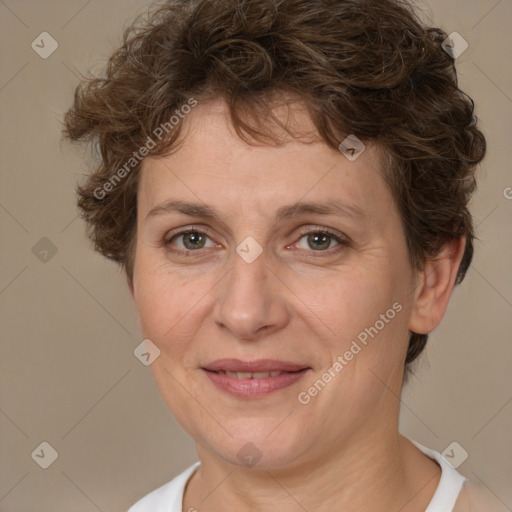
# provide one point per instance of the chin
(259, 444)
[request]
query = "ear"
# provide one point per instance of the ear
(434, 287)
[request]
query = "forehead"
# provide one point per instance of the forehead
(214, 165)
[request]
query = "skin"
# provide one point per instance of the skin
(341, 451)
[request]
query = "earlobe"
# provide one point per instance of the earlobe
(435, 286)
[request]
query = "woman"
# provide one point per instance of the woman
(286, 186)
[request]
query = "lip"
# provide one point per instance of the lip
(253, 388)
(260, 365)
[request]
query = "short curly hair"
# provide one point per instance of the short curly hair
(363, 67)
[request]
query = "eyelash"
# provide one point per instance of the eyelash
(342, 242)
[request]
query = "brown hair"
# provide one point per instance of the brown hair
(362, 67)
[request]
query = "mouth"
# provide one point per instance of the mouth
(249, 375)
(253, 379)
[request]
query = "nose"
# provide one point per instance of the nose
(251, 300)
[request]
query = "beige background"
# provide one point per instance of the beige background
(68, 373)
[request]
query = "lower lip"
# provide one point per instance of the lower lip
(254, 388)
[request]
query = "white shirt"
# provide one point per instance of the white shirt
(169, 497)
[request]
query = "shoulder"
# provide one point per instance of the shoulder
(476, 498)
(456, 493)
(168, 497)
(450, 483)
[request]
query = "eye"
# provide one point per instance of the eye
(319, 240)
(191, 240)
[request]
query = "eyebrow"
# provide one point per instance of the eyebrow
(333, 207)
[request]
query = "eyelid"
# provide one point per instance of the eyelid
(317, 229)
(187, 229)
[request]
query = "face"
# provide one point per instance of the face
(276, 284)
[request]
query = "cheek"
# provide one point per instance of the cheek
(351, 300)
(368, 316)
(168, 307)
(365, 311)
(169, 310)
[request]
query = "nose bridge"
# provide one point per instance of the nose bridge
(247, 300)
(247, 277)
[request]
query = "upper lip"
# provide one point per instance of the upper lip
(259, 365)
